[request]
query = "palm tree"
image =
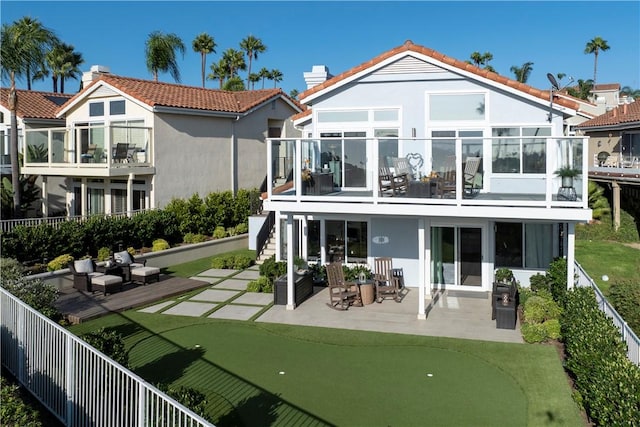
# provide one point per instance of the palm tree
(161, 54)
(64, 64)
(234, 61)
(630, 92)
(218, 72)
(204, 44)
(253, 79)
(583, 90)
(522, 73)
(37, 39)
(264, 74)
(22, 47)
(252, 46)
(276, 76)
(294, 93)
(595, 46)
(234, 83)
(481, 60)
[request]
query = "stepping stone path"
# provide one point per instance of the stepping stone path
(226, 298)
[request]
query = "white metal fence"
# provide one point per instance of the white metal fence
(628, 336)
(7, 225)
(78, 384)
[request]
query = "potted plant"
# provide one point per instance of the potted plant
(301, 266)
(567, 173)
(504, 275)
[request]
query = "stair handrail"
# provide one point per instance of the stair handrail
(265, 231)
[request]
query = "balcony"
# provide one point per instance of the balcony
(97, 151)
(513, 171)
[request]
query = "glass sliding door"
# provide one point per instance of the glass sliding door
(470, 256)
(456, 256)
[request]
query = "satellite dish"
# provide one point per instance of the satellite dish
(554, 82)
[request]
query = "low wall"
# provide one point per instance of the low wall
(178, 255)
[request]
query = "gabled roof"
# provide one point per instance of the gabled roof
(159, 94)
(35, 105)
(625, 114)
(453, 63)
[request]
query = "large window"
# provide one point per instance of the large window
(523, 245)
(346, 158)
(468, 106)
(519, 150)
(346, 241)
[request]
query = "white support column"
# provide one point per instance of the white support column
(422, 285)
(108, 207)
(278, 237)
(290, 276)
(323, 243)
(304, 231)
(571, 259)
(130, 194)
(83, 197)
(45, 197)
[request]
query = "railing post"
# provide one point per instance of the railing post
(70, 379)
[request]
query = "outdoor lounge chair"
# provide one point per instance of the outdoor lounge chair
(387, 284)
(447, 182)
(470, 171)
(390, 183)
(342, 294)
(86, 277)
(121, 152)
(402, 167)
(127, 261)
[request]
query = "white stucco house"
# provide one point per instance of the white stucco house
(129, 144)
(36, 110)
(414, 103)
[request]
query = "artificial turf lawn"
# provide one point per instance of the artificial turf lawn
(343, 377)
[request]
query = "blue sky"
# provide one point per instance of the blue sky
(341, 35)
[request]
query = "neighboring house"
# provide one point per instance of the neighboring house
(614, 152)
(130, 144)
(435, 112)
(36, 110)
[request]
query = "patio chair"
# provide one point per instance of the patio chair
(402, 167)
(612, 161)
(127, 262)
(447, 182)
(470, 171)
(83, 270)
(90, 154)
(342, 294)
(387, 284)
(390, 183)
(121, 152)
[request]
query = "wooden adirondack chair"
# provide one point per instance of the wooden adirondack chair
(386, 283)
(470, 171)
(342, 294)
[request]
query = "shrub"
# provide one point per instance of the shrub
(15, 410)
(10, 269)
(242, 228)
(104, 254)
(160, 245)
(240, 262)
(131, 251)
(557, 278)
(219, 262)
(219, 232)
(110, 343)
(533, 332)
(625, 297)
(272, 268)
(538, 281)
(187, 396)
(231, 231)
(552, 328)
(59, 262)
(539, 309)
(194, 238)
(39, 295)
(261, 284)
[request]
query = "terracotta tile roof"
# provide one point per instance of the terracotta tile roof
(191, 97)
(302, 114)
(410, 46)
(622, 114)
(606, 86)
(36, 105)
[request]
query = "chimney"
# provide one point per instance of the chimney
(94, 73)
(624, 108)
(615, 112)
(317, 75)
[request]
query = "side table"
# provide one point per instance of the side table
(367, 292)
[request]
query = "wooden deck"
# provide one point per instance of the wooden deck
(78, 306)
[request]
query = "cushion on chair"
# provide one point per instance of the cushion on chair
(83, 265)
(122, 257)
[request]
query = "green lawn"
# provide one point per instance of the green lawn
(613, 259)
(267, 374)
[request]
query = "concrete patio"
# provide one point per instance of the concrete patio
(450, 313)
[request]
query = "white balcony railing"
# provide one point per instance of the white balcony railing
(520, 171)
(88, 146)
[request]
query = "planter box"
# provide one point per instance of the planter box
(303, 289)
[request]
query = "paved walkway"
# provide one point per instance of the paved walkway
(456, 315)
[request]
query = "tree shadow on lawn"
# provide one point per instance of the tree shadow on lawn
(231, 400)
